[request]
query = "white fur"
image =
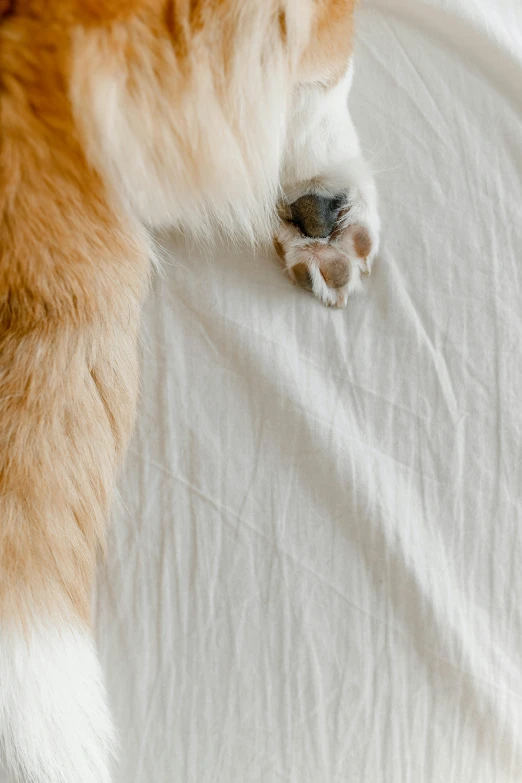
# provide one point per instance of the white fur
(55, 726)
(323, 156)
(200, 148)
(321, 142)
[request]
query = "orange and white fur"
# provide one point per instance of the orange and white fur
(117, 117)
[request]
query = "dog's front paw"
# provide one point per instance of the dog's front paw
(327, 243)
(317, 265)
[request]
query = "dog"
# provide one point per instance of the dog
(119, 117)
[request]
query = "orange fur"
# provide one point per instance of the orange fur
(73, 268)
(71, 278)
(330, 47)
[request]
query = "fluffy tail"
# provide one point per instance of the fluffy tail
(67, 398)
(71, 282)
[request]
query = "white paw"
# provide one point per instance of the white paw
(331, 268)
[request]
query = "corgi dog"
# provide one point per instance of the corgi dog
(118, 117)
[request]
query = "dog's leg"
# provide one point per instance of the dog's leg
(329, 231)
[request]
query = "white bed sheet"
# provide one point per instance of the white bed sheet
(315, 569)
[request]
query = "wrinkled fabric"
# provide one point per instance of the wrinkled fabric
(314, 573)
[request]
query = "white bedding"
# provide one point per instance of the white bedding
(315, 567)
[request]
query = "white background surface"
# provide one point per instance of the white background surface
(315, 571)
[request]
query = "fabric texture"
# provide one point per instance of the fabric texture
(315, 569)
